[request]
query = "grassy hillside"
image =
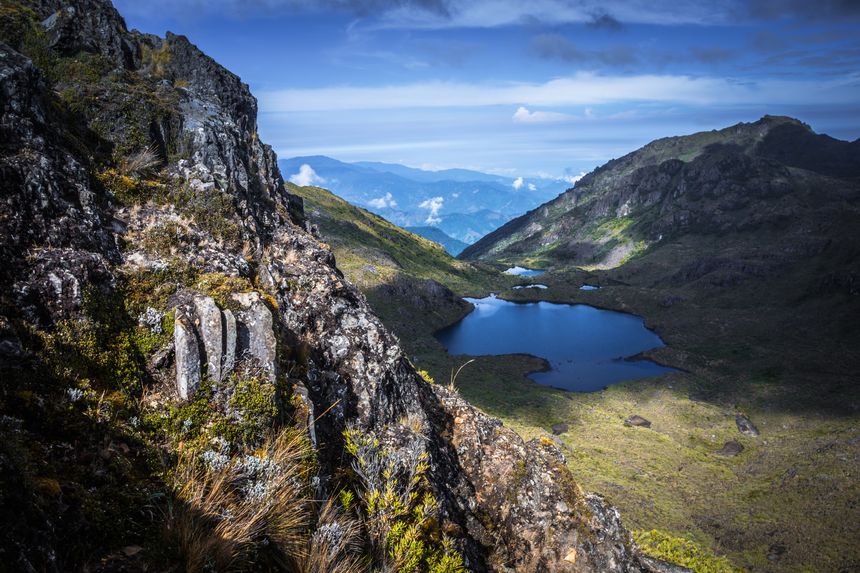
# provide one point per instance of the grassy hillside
(372, 251)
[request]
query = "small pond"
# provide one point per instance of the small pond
(540, 286)
(523, 272)
(587, 348)
(588, 287)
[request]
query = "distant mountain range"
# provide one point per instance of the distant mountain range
(463, 204)
(452, 245)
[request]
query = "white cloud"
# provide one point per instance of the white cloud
(584, 88)
(518, 182)
(383, 202)
(532, 187)
(306, 176)
(435, 205)
(523, 115)
(572, 179)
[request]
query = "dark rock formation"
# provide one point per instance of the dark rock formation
(217, 231)
(559, 429)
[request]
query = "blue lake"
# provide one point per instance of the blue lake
(585, 346)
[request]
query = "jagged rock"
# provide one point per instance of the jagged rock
(731, 448)
(636, 420)
(745, 425)
(255, 336)
(210, 330)
(187, 355)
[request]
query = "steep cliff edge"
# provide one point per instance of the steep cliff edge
(161, 301)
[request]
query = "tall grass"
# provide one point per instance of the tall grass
(249, 510)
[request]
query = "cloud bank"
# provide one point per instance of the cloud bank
(584, 88)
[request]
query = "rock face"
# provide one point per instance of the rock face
(212, 342)
(185, 342)
(218, 208)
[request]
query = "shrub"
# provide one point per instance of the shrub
(335, 545)
(141, 163)
(399, 512)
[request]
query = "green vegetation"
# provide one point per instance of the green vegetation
(400, 515)
(681, 551)
(372, 252)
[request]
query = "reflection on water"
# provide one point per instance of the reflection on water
(523, 272)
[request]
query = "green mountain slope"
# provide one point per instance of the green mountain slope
(742, 179)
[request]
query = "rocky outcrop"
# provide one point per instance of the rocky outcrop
(212, 342)
(218, 208)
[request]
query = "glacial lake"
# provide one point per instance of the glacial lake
(585, 346)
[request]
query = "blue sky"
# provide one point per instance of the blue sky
(552, 87)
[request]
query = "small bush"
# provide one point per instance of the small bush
(399, 513)
(426, 376)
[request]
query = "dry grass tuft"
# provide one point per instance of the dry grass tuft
(335, 546)
(227, 516)
(141, 163)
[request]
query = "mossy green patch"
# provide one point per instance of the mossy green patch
(681, 551)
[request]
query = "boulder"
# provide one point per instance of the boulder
(745, 426)
(636, 420)
(255, 333)
(559, 429)
(731, 448)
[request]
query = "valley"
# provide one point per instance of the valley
(755, 332)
